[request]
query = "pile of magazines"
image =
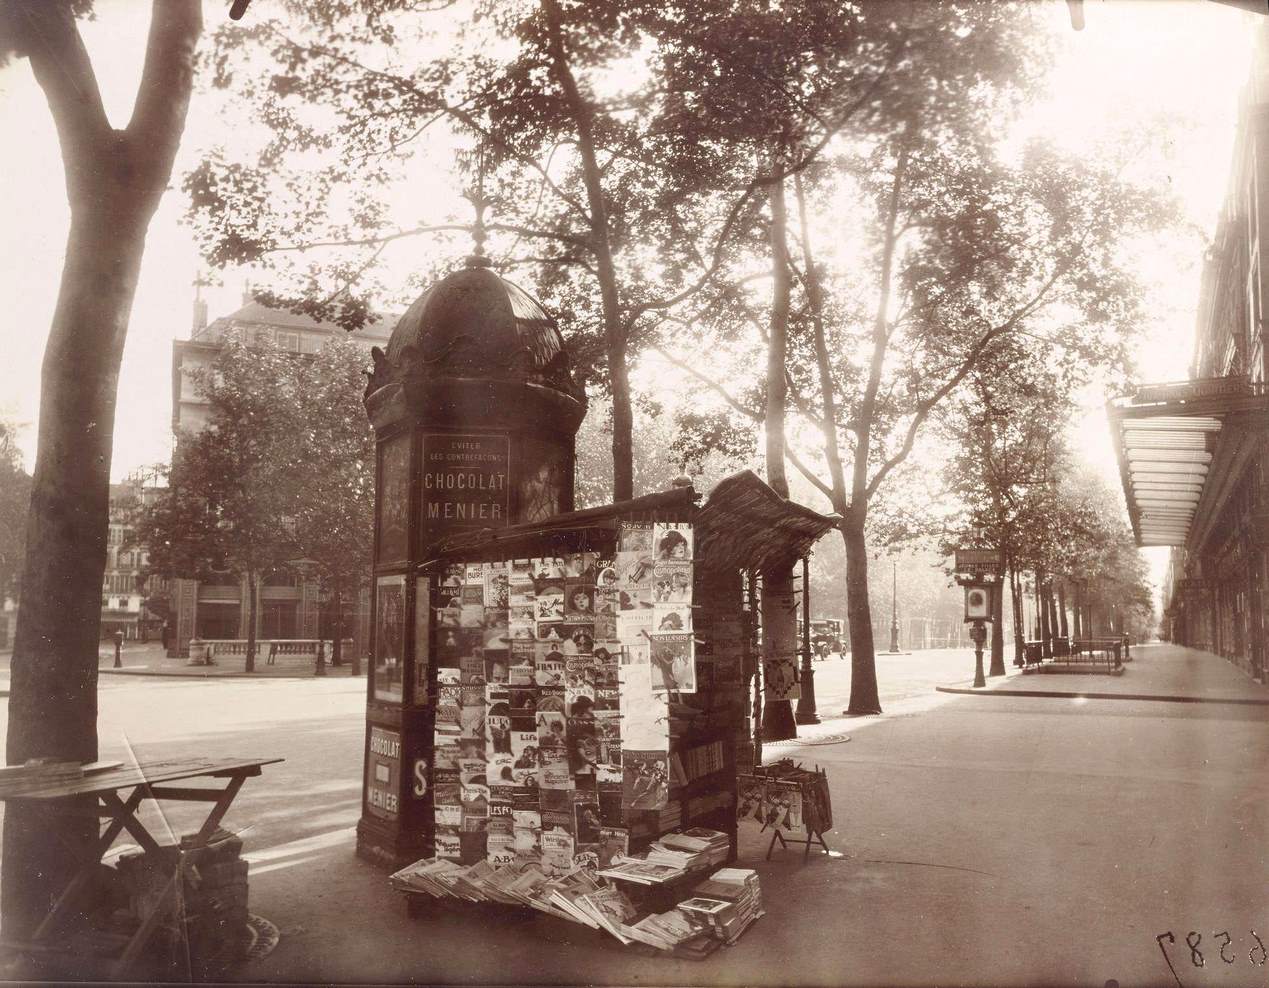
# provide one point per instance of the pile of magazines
(671, 857)
(727, 902)
(642, 870)
(698, 847)
(719, 910)
(576, 897)
(671, 930)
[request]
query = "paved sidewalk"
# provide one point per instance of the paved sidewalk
(1157, 671)
(986, 842)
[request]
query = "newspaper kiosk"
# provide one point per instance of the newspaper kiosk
(552, 690)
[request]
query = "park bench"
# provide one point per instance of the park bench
(1093, 652)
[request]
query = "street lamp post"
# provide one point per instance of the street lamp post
(979, 590)
(978, 633)
(894, 607)
(806, 712)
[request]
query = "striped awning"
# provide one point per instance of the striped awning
(1168, 440)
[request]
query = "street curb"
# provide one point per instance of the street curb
(1073, 695)
(217, 675)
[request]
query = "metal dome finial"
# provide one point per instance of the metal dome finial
(480, 202)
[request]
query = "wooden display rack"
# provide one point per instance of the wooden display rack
(817, 807)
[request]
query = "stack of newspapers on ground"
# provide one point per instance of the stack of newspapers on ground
(728, 901)
(691, 849)
(718, 910)
(671, 857)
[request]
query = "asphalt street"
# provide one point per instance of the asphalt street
(978, 840)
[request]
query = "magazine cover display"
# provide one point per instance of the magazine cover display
(558, 680)
(785, 796)
(551, 720)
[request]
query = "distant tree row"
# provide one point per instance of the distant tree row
(1054, 524)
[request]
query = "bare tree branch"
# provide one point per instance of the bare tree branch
(418, 230)
(723, 393)
(966, 365)
(430, 99)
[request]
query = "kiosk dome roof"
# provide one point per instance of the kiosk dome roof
(474, 322)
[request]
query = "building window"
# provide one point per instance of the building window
(289, 341)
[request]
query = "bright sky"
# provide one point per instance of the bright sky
(1135, 62)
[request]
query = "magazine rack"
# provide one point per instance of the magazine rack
(812, 837)
(778, 787)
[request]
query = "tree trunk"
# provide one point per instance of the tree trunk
(1064, 630)
(1046, 619)
(1019, 626)
(753, 627)
(355, 660)
(863, 660)
(997, 667)
(777, 342)
(252, 608)
(622, 418)
(337, 645)
(615, 334)
(779, 618)
(114, 180)
(863, 668)
(779, 647)
(53, 701)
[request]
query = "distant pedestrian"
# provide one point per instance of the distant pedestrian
(273, 653)
(118, 637)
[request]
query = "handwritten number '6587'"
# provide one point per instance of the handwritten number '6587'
(1257, 954)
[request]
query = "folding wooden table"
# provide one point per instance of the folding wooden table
(142, 780)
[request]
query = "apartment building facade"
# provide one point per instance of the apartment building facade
(288, 605)
(1194, 454)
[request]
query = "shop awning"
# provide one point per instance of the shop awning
(1179, 446)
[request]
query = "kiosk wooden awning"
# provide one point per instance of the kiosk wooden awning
(743, 524)
(746, 525)
(1180, 447)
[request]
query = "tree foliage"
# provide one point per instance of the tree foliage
(281, 476)
(957, 253)
(635, 159)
